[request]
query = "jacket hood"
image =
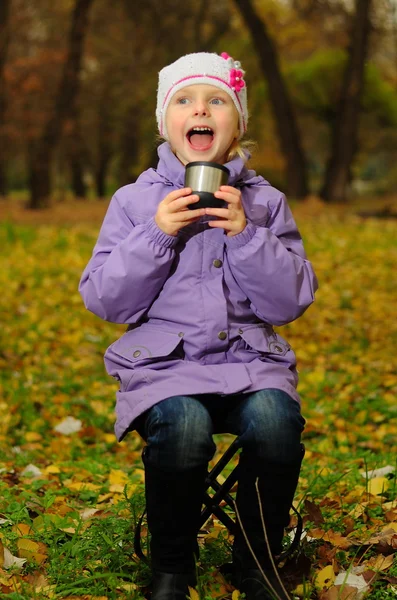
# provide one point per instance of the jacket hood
(172, 172)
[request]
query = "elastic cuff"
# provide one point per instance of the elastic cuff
(158, 236)
(236, 241)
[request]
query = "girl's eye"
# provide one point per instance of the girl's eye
(182, 100)
(217, 101)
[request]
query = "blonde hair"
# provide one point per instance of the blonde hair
(240, 148)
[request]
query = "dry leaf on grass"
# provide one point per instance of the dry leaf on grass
(8, 561)
(68, 426)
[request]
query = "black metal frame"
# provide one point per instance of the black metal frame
(212, 503)
(222, 492)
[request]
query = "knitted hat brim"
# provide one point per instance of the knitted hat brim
(195, 80)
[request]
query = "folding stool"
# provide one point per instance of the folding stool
(212, 502)
(222, 493)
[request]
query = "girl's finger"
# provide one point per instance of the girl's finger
(222, 213)
(187, 215)
(227, 189)
(223, 224)
(230, 189)
(180, 203)
(177, 194)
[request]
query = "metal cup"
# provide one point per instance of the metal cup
(205, 178)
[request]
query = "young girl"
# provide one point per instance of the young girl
(201, 290)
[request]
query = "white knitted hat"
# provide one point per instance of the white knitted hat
(203, 67)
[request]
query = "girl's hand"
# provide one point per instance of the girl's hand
(232, 218)
(173, 212)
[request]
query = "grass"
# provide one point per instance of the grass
(74, 521)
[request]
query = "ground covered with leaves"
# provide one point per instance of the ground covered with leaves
(70, 495)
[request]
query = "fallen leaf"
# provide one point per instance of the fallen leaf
(357, 582)
(31, 471)
(380, 562)
(193, 595)
(314, 512)
(339, 592)
(336, 539)
(8, 561)
(378, 472)
(385, 541)
(22, 529)
(32, 551)
(68, 426)
(378, 486)
(33, 436)
(325, 578)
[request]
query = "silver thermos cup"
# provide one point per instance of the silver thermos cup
(205, 178)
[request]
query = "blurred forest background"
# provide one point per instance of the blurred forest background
(78, 85)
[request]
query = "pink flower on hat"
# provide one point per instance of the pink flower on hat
(237, 79)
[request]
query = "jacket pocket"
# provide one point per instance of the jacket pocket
(268, 344)
(143, 345)
(140, 348)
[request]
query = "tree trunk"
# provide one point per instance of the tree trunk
(286, 124)
(100, 174)
(130, 138)
(78, 185)
(40, 174)
(4, 42)
(77, 158)
(345, 131)
(105, 139)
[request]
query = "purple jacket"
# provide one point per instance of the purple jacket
(201, 304)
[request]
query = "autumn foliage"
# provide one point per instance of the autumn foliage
(70, 495)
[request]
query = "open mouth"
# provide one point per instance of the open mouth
(200, 138)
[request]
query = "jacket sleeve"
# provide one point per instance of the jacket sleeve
(128, 267)
(269, 264)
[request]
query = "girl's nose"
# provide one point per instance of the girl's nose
(201, 109)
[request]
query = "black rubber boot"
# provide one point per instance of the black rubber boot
(173, 505)
(171, 586)
(257, 587)
(277, 484)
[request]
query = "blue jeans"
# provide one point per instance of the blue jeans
(179, 430)
(179, 433)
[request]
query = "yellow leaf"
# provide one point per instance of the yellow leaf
(33, 436)
(117, 488)
(325, 578)
(78, 486)
(193, 595)
(22, 529)
(117, 479)
(378, 485)
(131, 489)
(27, 545)
(104, 497)
(236, 595)
(380, 562)
(52, 469)
(302, 590)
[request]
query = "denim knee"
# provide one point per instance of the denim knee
(178, 431)
(269, 423)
